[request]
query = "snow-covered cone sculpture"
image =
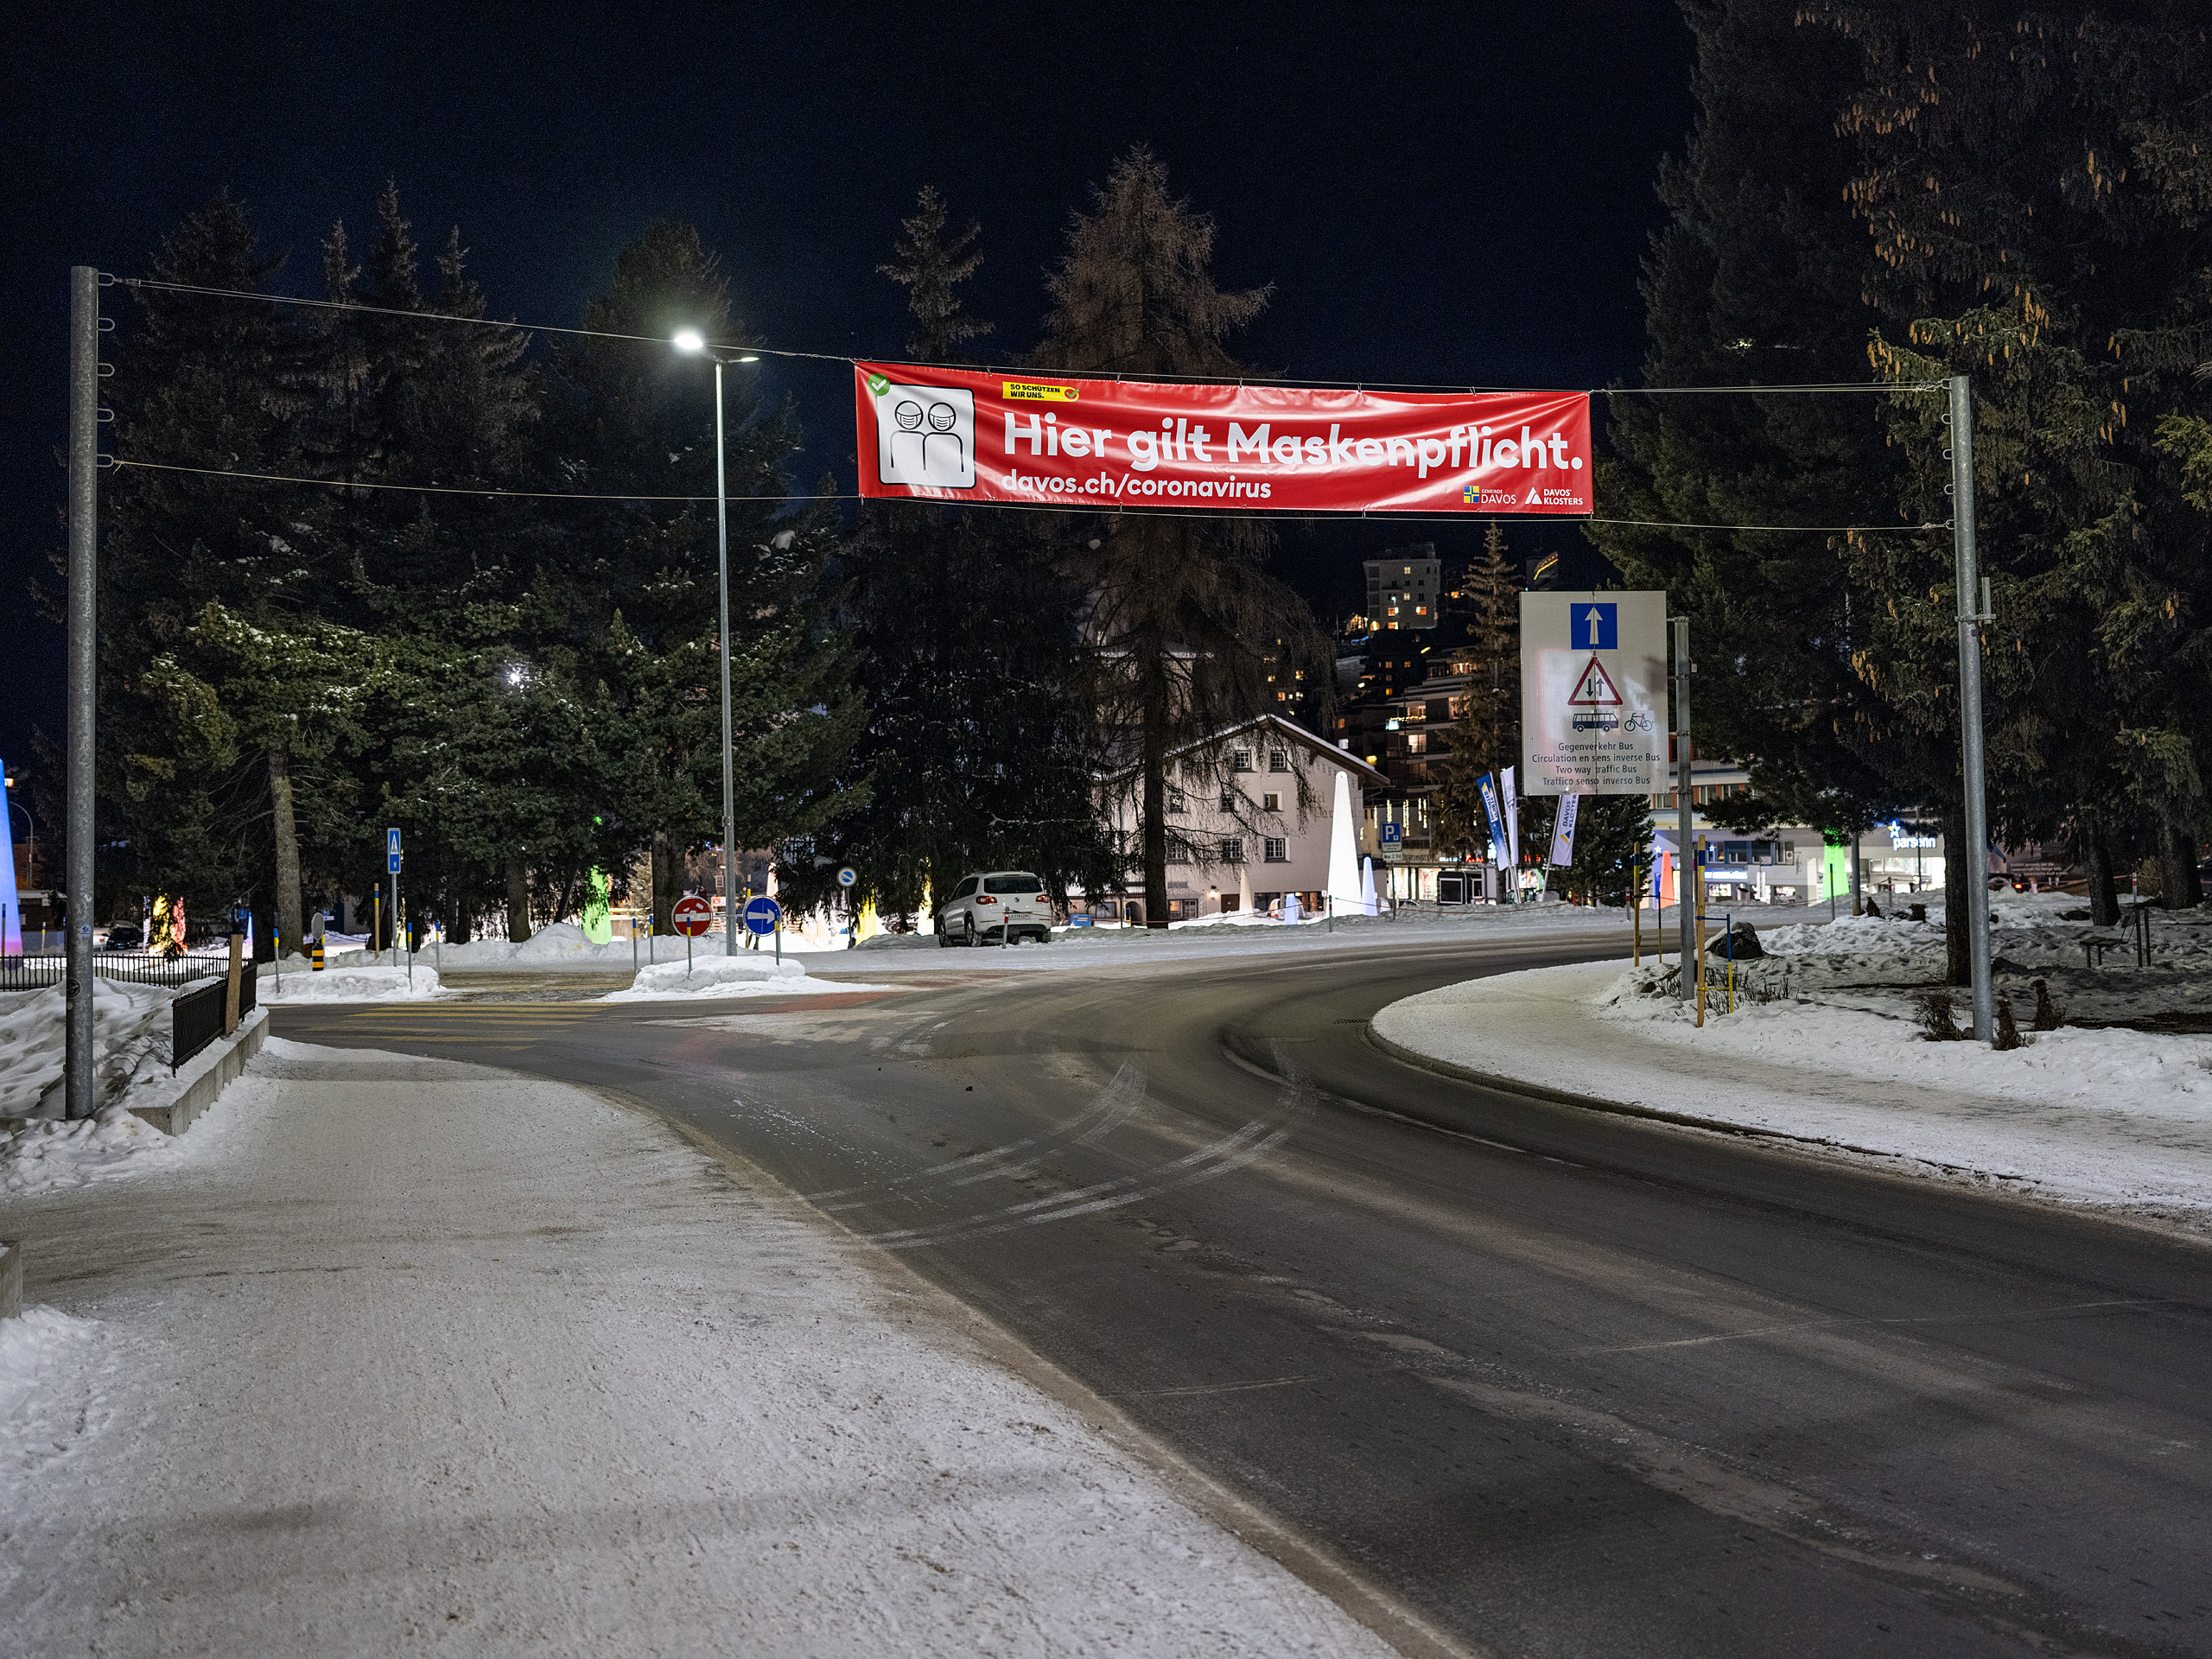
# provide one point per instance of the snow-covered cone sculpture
(1344, 855)
(1367, 905)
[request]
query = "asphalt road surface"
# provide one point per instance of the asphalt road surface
(1561, 1381)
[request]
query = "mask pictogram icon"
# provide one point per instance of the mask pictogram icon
(925, 436)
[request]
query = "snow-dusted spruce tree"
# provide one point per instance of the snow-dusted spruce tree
(1485, 733)
(435, 577)
(2033, 186)
(219, 780)
(628, 588)
(1758, 279)
(1181, 610)
(979, 750)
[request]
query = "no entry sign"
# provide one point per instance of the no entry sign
(693, 916)
(957, 435)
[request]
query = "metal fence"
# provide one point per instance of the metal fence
(31, 973)
(196, 1017)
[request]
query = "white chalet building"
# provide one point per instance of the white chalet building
(1236, 810)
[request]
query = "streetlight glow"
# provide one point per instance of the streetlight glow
(690, 339)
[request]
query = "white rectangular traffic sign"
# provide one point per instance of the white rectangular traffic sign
(1593, 693)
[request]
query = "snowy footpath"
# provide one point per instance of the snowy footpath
(2098, 1114)
(393, 1354)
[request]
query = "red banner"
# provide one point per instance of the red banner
(955, 434)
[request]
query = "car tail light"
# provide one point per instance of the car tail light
(986, 900)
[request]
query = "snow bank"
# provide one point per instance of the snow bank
(130, 1037)
(366, 982)
(1881, 964)
(563, 945)
(2102, 1117)
(42, 1155)
(745, 974)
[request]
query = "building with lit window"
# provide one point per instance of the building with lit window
(1404, 588)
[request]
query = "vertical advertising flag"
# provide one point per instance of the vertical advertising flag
(1510, 803)
(11, 903)
(1499, 851)
(1563, 832)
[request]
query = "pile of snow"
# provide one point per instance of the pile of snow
(561, 944)
(130, 1037)
(2096, 1069)
(42, 1154)
(898, 942)
(354, 982)
(746, 974)
(1881, 964)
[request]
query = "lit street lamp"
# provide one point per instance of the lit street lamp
(690, 339)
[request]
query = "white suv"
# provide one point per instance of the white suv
(992, 906)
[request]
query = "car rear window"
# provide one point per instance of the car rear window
(1013, 884)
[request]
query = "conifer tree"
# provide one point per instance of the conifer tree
(978, 749)
(2033, 179)
(206, 803)
(1758, 278)
(931, 267)
(631, 586)
(1485, 733)
(1182, 613)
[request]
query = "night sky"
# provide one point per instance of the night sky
(1456, 193)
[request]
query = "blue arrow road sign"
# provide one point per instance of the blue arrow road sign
(762, 914)
(391, 852)
(1595, 628)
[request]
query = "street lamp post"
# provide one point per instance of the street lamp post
(690, 339)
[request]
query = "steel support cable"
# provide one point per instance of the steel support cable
(1030, 370)
(1004, 506)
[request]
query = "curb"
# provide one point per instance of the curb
(1615, 1107)
(11, 1279)
(207, 1075)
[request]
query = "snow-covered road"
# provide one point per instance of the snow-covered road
(404, 1355)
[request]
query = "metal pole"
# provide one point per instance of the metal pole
(729, 781)
(84, 619)
(1977, 804)
(1685, 848)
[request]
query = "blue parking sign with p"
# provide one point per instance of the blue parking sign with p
(1595, 628)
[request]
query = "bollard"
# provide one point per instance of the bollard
(314, 956)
